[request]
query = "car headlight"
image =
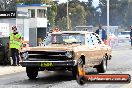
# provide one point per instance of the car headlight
(69, 54)
(25, 55)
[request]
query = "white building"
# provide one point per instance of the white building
(4, 29)
(22, 23)
(37, 22)
(6, 25)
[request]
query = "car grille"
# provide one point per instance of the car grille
(47, 55)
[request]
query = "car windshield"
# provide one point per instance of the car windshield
(125, 33)
(65, 38)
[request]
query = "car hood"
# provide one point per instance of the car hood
(53, 47)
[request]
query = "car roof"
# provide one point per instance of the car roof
(81, 32)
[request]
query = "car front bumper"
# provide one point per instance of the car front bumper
(48, 63)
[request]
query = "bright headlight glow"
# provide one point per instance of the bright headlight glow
(69, 54)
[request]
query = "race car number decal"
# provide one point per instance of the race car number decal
(46, 64)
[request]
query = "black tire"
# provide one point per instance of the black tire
(81, 80)
(32, 72)
(102, 67)
(75, 72)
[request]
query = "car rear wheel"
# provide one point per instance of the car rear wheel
(32, 72)
(102, 67)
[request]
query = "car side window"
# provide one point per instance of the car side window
(89, 40)
(96, 40)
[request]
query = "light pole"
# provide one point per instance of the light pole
(99, 16)
(108, 24)
(67, 17)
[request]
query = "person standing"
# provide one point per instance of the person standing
(15, 45)
(131, 35)
(102, 33)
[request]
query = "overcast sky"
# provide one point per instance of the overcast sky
(95, 2)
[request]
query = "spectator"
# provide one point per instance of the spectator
(131, 34)
(102, 33)
(15, 45)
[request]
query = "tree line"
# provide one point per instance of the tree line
(84, 13)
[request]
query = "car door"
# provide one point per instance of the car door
(102, 46)
(90, 50)
(98, 47)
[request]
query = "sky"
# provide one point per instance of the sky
(95, 2)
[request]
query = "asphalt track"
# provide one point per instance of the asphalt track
(121, 63)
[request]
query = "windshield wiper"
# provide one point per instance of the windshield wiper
(72, 42)
(76, 42)
(56, 43)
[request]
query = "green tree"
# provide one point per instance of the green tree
(7, 5)
(91, 13)
(34, 1)
(103, 7)
(52, 12)
(62, 23)
(128, 15)
(118, 11)
(78, 15)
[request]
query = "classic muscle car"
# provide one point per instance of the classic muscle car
(64, 50)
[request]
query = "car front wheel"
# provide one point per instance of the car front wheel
(75, 69)
(102, 67)
(32, 72)
(75, 72)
